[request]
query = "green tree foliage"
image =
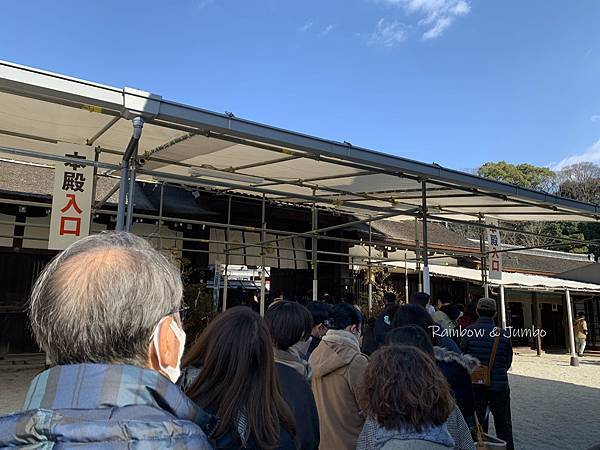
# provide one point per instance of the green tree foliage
(579, 181)
(524, 175)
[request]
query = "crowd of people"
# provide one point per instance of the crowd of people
(108, 313)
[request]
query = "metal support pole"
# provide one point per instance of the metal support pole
(94, 186)
(160, 213)
(369, 274)
(483, 260)
(262, 258)
(123, 188)
(131, 194)
(418, 256)
(426, 285)
(226, 275)
(315, 283)
(502, 308)
(138, 123)
(574, 360)
(405, 278)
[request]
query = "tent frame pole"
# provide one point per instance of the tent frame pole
(484, 280)
(262, 257)
(426, 280)
(370, 274)
(314, 243)
(227, 238)
(138, 124)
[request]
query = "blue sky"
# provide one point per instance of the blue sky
(456, 82)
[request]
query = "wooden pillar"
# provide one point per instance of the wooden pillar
(574, 360)
(537, 322)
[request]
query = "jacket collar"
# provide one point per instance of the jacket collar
(468, 362)
(342, 337)
(485, 321)
(291, 358)
(94, 386)
(374, 435)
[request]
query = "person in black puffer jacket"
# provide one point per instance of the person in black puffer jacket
(478, 342)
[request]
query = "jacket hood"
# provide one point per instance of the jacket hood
(337, 349)
(444, 355)
(436, 435)
(375, 436)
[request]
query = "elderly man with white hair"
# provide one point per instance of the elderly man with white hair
(107, 313)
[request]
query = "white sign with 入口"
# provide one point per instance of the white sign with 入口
(494, 258)
(71, 197)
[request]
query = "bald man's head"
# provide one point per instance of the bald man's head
(100, 300)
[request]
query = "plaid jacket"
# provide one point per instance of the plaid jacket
(102, 406)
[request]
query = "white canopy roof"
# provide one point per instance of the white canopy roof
(40, 110)
(509, 279)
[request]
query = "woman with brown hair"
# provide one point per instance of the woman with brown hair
(235, 379)
(408, 400)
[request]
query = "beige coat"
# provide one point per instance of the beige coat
(338, 369)
(580, 328)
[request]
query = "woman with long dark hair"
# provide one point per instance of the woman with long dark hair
(236, 380)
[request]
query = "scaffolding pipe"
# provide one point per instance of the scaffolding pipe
(315, 283)
(262, 258)
(405, 278)
(369, 274)
(226, 276)
(418, 256)
(160, 211)
(484, 281)
(138, 124)
(426, 284)
(131, 193)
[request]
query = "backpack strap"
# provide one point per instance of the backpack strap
(493, 355)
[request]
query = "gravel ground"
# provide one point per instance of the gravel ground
(554, 405)
(13, 387)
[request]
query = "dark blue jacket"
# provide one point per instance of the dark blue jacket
(298, 394)
(478, 342)
(100, 406)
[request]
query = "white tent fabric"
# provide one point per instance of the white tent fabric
(509, 279)
(41, 110)
(282, 254)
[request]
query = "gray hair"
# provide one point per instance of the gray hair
(100, 299)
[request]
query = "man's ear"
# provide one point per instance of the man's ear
(167, 353)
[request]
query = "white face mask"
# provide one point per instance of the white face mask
(172, 372)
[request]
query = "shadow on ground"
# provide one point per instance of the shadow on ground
(585, 362)
(554, 415)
